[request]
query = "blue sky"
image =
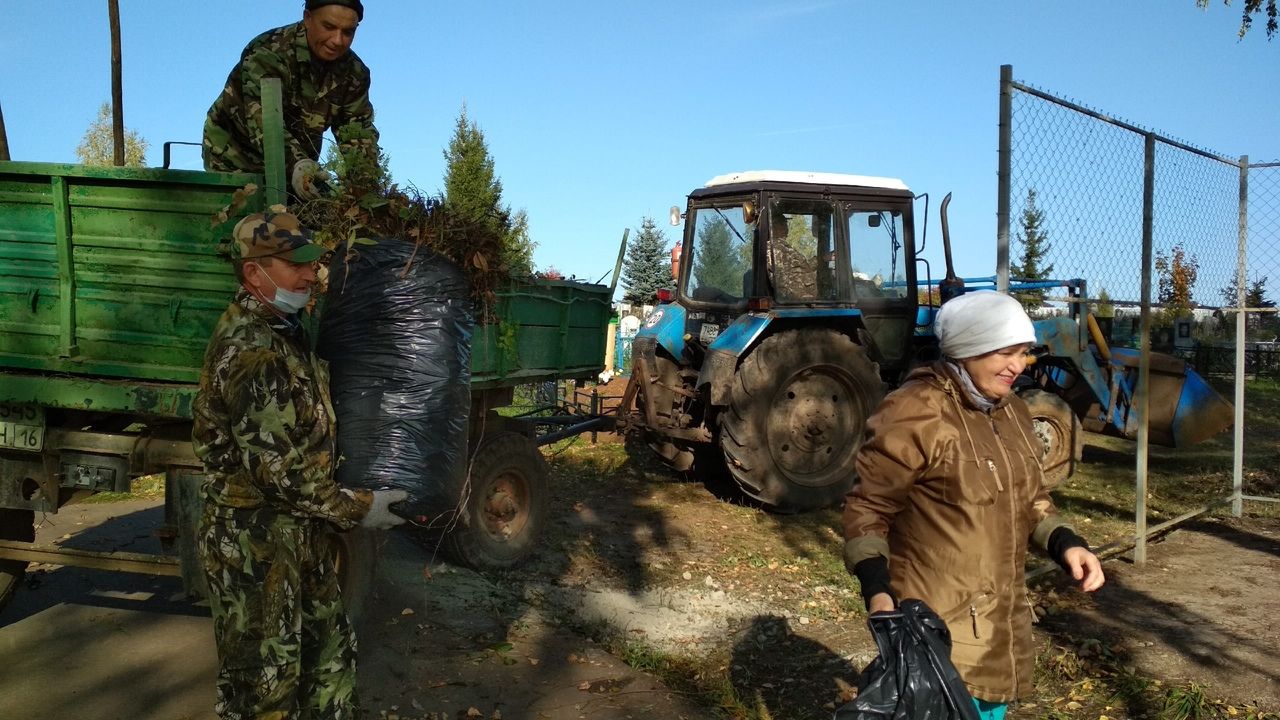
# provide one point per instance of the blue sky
(598, 114)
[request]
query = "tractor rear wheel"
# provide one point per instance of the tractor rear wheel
(797, 412)
(1059, 432)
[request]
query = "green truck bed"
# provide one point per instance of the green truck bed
(110, 284)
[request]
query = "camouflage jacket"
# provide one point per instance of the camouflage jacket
(317, 96)
(264, 423)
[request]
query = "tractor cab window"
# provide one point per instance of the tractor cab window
(721, 263)
(802, 251)
(876, 254)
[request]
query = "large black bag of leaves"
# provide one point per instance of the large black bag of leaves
(396, 329)
(912, 678)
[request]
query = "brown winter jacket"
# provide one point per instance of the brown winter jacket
(950, 495)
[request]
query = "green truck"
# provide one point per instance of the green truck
(110, 284)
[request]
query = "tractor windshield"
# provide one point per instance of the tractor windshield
(721, 268)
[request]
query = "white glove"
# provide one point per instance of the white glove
(380, 516)
(310, 181)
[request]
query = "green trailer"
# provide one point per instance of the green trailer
(110, 285)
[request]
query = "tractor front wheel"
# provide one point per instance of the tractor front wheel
(1059, 432)
(797, 412)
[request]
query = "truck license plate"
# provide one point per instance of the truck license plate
(709, 332)
(21, 427)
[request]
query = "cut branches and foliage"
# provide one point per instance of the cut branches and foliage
(368, 206)
(647, 268)
(98, 147)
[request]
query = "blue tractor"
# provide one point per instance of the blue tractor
(797, 305)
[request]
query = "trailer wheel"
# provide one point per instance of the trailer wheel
(14, 525)
(797, 412)
(506, 504)
(1059, 432)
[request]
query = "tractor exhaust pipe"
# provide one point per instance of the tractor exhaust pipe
(951, 286)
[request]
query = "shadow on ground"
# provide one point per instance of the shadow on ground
(1201, 610)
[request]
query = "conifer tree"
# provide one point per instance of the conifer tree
(647, 267)
(1255, 296)
(1035, 247)
(715, 263)
(473, 192)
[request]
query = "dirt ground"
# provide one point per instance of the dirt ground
(1204, 609)
(764, 598)
(435, 642)
(652, 597)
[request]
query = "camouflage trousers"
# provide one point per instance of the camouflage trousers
(285, 646)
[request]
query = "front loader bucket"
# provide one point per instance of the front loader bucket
(1201, 413)
(1185, 410)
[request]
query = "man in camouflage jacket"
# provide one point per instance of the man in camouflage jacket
(265, 430)
(325, 85)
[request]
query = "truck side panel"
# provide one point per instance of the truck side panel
(111, 272)
(547, 329)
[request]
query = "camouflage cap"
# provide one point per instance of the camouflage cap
(353, 4)
(275, 233)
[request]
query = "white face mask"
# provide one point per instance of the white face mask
(286, 301)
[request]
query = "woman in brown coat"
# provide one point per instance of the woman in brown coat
(949, 493)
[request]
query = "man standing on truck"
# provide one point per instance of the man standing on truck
(325, 85)
(265, 430)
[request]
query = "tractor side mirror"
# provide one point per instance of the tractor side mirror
(675, 215)
(873, 221)
(749, 213)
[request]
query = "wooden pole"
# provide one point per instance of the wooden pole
(117, 102)
(4, 140)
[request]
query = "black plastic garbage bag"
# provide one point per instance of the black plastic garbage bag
(397, 335)
(913, 678)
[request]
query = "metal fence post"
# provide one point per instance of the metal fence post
(1144, 344)
(1242, 318)
(1003, 179)
(595, 409)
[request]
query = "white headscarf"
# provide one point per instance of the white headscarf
(979, 322)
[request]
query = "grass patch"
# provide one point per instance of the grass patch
(1086, 680)
(140, 488)
(1100, 498)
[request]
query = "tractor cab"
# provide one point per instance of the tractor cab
(798, 245)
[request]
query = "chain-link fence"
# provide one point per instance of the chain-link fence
(1178, 247)
(1264, 223)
